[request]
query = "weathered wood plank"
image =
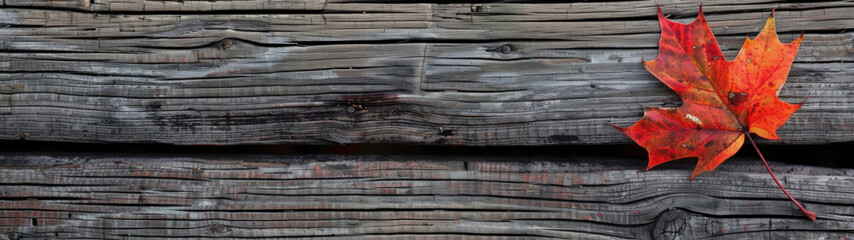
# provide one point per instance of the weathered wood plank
(250, 72)
(394, 197)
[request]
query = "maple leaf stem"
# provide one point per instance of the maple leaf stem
(810, 214)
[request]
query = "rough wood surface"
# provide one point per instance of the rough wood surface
(438, 72)
(404, 197)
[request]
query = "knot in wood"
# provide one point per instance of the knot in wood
(226, 44)
(670, 225)
(219, 228)
(506, 49)
(12, 236)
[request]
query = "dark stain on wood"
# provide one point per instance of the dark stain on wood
(370, 99)
(446, 132)
(563, 138)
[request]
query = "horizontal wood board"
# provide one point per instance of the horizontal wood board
(434, 72)
(98, 196)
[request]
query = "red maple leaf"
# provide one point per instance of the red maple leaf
(723, 101)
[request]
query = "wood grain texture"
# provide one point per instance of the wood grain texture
(402, 197)
(273, 71)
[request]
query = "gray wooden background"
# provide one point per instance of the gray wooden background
(85, 196)
(526, 73)
(354, 71)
